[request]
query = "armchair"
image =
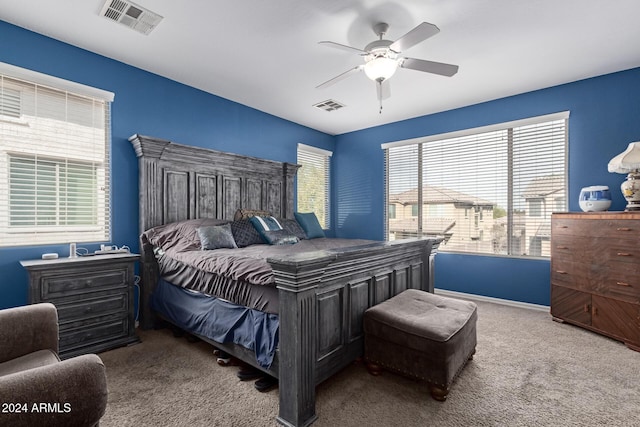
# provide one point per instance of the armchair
(36, 388)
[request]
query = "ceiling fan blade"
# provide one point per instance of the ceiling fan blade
(415, 36)
(429, 66)
(384, 89)
(342, 47)
(340, 77)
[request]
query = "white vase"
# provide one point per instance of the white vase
(631, 191)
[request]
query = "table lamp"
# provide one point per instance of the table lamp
(629, 162)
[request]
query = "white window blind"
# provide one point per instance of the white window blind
(54, 161)
(487, 190)
(313, 182)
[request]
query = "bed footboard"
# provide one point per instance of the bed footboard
(322, 298)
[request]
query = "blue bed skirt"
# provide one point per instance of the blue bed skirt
(218, 320)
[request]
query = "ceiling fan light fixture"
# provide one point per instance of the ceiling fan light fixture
(380, 68)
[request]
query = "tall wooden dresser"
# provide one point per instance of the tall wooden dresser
(595, 272)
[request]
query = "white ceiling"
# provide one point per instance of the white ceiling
(265, 54)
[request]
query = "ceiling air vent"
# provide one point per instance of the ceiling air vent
(329, 105)
(132, 15)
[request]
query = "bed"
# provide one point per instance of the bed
(317, 295)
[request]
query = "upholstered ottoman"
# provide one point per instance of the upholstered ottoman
(421, 335)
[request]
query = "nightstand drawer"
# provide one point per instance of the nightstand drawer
(92, 307)
(68, 285)
(111, 327)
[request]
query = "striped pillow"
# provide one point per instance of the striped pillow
(271, 230)
(265, 223)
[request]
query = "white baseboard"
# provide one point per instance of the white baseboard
(519, 304)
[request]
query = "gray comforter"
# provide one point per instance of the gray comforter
(242, 276)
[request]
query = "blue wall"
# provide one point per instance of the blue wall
(604, 118)
(149, 105)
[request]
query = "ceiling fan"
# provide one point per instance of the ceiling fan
(382, 58)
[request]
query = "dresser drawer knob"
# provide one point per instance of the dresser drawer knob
(623, 229)
(622, 284)
(562, 226)
(624, 254)
(561, 272)
(561, 247)
(587, 308)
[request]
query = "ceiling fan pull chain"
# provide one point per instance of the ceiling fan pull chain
(380, 95)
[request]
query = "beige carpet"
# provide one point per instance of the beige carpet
(528, 371)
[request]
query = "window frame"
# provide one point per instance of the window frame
(420, 182)
(323, 156)
(71, 112)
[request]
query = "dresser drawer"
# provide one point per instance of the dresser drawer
(601, 250)
(54, 287)
(92, 307)
(621, 287)
(571, 274)
(621, 279)
(615, 229)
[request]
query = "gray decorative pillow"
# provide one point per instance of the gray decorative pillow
(292, 226)
(245, 234)
(181, 235)
(216, 237)
(279, 237)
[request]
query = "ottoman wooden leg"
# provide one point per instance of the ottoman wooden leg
(374, 369)
(438, 393)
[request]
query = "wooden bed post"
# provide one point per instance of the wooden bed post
(297, 280)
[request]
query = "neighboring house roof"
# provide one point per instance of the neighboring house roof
(432, 195)
(542, 187)
(433, 226)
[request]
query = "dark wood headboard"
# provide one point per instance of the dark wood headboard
(179, 182)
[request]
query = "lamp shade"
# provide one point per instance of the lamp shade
(628, 161)
(380, 68)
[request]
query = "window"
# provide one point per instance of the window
(392, 211)
(51, 192)
(535, 207)
(9, 102)
(414, 210)
(511, 176)
(54, 160)
(313, 182)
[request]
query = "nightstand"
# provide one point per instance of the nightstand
(94, 297)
